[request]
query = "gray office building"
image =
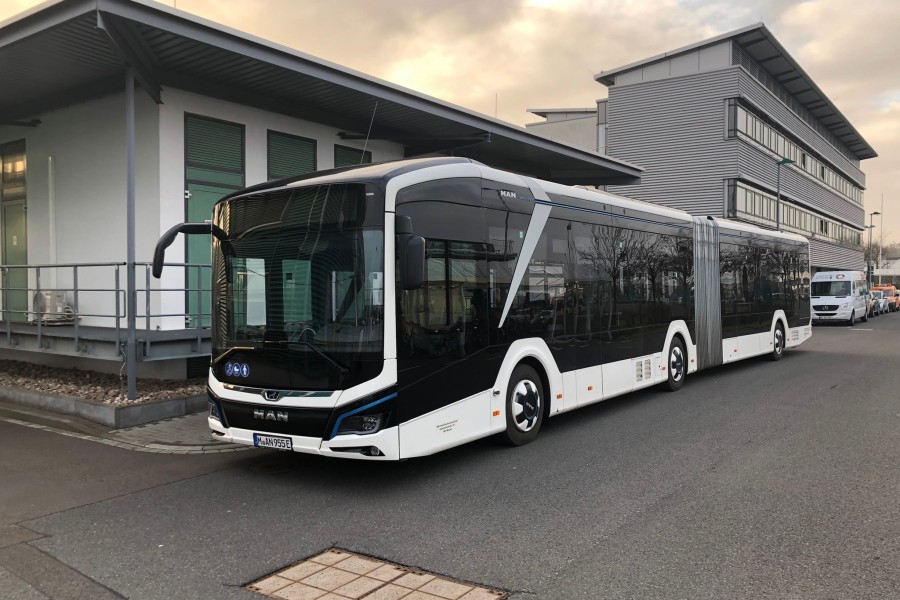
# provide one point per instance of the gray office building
(711, 121)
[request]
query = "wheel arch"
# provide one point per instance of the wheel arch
(680, 330)
(535, 353)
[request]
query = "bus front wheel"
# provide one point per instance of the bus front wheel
(677, 365)
(524, 406)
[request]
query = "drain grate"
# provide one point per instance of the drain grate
(339, 575)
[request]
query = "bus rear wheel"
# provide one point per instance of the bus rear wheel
(524, 406)
(778, 343)
(676, 365)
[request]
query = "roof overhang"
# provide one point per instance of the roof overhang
(759, 43)
(69, 51)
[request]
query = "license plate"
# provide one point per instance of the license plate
(273, 442)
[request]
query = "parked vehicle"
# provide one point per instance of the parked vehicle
(840, 296)
(879, 303)
(891, 294)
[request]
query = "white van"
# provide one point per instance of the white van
(840, 296)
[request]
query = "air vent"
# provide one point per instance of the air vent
(643, 370)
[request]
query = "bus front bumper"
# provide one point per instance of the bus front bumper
(382, 445)
(838, 315)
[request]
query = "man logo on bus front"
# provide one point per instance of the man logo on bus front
(270, 415)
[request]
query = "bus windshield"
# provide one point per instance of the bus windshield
(831, 288)
(298, 293)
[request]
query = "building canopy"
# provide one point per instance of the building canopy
(69, 51)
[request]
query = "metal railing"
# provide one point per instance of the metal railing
(22, 288)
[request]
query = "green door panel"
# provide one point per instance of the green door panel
(214, 167)
(199, 209)
(15, 252)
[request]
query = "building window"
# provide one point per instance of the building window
(601, 137)
(350, 157)
(752, 126)
(289, 155)
(751, 204)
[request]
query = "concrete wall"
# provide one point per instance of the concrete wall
(578, 130)
(674, 127)
(76, 186)
(257, 123)
(77, 215)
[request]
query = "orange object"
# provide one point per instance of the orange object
(590, 387)
(558, 396)
(496, 413)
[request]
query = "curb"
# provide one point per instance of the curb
(115, 417)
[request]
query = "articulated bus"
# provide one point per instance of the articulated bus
(394, 310)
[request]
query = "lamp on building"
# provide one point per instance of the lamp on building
(783, 161)
(871, 226)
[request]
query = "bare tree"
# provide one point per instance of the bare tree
(610, 249)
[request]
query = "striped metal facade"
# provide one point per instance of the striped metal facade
(676, 128)
(777, 111)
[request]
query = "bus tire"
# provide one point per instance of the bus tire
(676, 365)
(524, 406)
(778, 343)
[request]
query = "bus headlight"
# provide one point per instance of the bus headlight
(361, 424)
(214, 410)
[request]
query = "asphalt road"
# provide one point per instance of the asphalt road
(756, 480)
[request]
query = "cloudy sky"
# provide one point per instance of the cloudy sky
(520, 54)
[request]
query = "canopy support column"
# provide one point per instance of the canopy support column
(131, 289)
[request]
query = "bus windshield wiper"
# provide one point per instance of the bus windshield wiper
(344, 370)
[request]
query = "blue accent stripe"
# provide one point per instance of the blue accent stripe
(337, 424)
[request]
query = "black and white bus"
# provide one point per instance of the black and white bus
(395, 310)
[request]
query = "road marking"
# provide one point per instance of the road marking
(156, 448)
(860, 329)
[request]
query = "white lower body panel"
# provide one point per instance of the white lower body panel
(458, 423)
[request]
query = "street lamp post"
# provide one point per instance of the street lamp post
(869, 278)
(783, 161)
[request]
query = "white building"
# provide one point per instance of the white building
(214, 110)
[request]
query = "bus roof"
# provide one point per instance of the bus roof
(383, 172)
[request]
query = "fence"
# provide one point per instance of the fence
(40, 295)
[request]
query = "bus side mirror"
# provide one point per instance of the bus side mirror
(159, 253)
(412, 261)
(411, 251)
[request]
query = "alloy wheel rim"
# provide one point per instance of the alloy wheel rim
(779, 341)
(526, 405)
(676, 363)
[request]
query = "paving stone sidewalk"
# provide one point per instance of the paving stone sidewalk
(188, 434)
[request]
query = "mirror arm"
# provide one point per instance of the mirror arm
(159, 253)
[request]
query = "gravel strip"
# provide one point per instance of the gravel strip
(93, 387)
